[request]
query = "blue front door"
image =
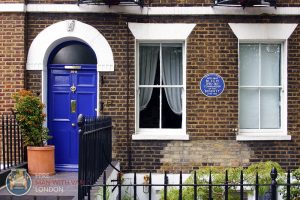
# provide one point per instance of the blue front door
(71, 92)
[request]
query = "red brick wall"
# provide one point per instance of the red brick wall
(11, 58)
(34, 80)
(211, 47)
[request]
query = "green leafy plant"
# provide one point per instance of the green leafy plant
(218, 177)
(263, 169)
(30, 118)
(99, 194)
(295, 190)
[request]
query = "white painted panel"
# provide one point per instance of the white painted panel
(160, 31)
(244, 31)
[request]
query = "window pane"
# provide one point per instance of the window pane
(270, 108)
(149, 113)
(270, 65)
(148, 64)
(249, 64)
(73, 53)
(249, 109)
(169, 118)
(172, 65)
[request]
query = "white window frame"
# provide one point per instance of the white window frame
(162, 133)
(283, 97)
(267, 33)
(160, 33)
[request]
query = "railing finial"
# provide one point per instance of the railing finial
(274, 183)
(273, 173)
(80, 120)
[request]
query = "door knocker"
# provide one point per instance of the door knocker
(73, 88)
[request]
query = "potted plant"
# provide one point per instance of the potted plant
(31, 118)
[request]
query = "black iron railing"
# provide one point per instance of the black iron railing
(95, 150)
(113, 2)
(244, 3)
(12, 150)
(241, 187)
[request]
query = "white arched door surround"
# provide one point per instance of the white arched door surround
(64, 31)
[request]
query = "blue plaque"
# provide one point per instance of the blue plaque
(212, 85)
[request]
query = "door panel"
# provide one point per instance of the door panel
(89, 108)
(62, 122)
(86, 80)
(58, 99)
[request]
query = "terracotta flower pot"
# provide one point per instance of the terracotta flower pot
(41, 160)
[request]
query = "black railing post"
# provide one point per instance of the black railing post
(7, 142)
(19, 139)
(166, 182)
(13, 118)
(104, 185)
(195, 185)
(119, 183)
(180, 185)
(81, 181)
(11, 141)
(288, 186)
(134, 187)
(226, 185)
(210, 187)
(89, 192)
(150, 182)
(256, 186)
(3, 143)
(23, 155)
(242, 186)
(273, 184)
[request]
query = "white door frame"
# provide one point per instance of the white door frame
(64, 31)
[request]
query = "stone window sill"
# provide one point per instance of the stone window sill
(262, 137)
(161, 136)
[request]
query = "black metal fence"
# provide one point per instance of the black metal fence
(95, 150)
(113, 2)
(11, 149)
(241, 187)
(245, 3)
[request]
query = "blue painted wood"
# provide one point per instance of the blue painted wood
(60, 117)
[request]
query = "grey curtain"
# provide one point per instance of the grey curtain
(148, 63)
(172, 75)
